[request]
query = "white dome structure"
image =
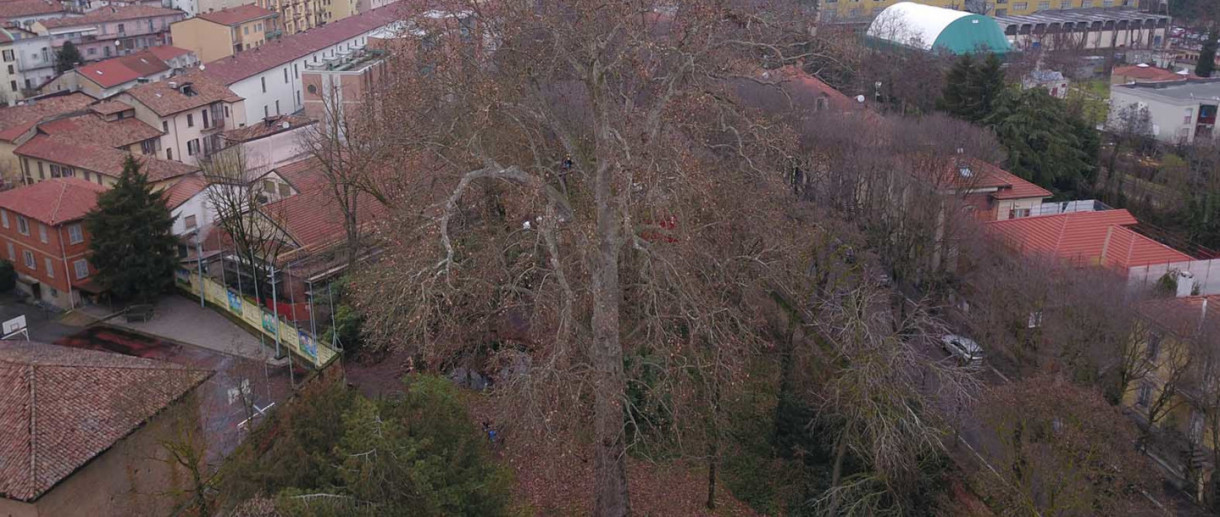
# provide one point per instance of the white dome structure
(928, 28)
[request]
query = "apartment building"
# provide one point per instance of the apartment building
(18, 124)
(191, 111)
(94, 147)
(295, 16)
(336, 88)
(112, 31)
(106, 78)
(23, 13)
(269, 77)
(1181, 111)
(45, 238)
(335, 10)
(217, 34)
(27, 60)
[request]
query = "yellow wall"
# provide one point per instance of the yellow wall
(335, 10)
(210, 41)
(251, 35)
(295, 15)
(1179, 417)
(864, 9)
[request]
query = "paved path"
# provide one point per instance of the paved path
(178, 319)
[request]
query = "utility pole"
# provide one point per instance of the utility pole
(199, 257)
(275, 309)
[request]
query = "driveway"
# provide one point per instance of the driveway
(179, 319)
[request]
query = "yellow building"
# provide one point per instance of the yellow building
(222, 33)
(295, 15)
(1173, 383)
(864, 10)
(335, 10)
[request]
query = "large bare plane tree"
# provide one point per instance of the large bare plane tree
(590, 208)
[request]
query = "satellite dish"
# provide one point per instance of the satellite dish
(201, 67)
(860, 99)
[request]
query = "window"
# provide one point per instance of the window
(1035, 319)
(1188, 115)
(277, 106)
(1001, 12)
(189, 221)
(269, 186)
(246, 30)
(226, 112)
(263, 80)
(1145, 395)
(285, 75)
(1154, 344)
(1044, 5)
(190, 120)
(41, 175)
(42, 233)
(28, 257)
(10, 70)
(169, 154)
(81, 268)
(1107, 3)
(12, 255)
(192, 147)
(206, 123)
(75, 234)
(266, 112)
(23, 225)
(92, 51)
(285, 190)
(121, 29)
(13, 85)
(4, 218)
(8, 56)
(1018, 213)
(50, 270)
(298, 96)
(1020, 6)
(147, 147)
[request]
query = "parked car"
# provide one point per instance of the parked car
(964, 349)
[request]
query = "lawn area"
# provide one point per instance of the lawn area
(1095, 95)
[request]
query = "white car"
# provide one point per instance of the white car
(964, 349)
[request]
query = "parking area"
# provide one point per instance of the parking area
(179, 319)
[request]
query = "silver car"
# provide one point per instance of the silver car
(964, 349)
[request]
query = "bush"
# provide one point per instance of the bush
(8, 276)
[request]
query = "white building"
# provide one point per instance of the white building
(269, 77)
(1180, 111)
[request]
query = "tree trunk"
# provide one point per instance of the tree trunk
(837, 472)
(610, 459)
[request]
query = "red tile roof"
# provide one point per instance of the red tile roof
(184, 190)
(267, 127)
(91, 129)
(1149, 74)
(236, 15)
(167, 52)
(1010, 185)
(115, 71)
(20, 8)
(1087, 238)
(166, 100)
(60, 407)
(312, 218)
(98, 158)
(283, 50)
(110, 107)
(16, 120)
(53, 201)
(112, 14)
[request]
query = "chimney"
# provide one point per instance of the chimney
(1186, 283)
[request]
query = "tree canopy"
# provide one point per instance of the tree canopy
(131, 244)
(67, 58)
(1045, 144)
(972, 87)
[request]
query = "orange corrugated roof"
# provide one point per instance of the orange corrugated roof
(1087, 238)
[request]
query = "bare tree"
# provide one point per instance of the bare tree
(239, 214)
(573, 202)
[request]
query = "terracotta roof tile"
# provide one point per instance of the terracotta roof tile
(91, 129)
(166, 100)
(20, 8)
(1087, 238)
(167, 52)
(16, 120)
(265, 128)
(289, 48)
(184, 190)
(98, 158)
(312, 217)
(115, 71)
(1149, 74)
(60, 407)
(236, 15)
(112, 14)
(53, 201)
(110, 107)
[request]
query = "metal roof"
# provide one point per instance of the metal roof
(1191, 89)
(1078, 15)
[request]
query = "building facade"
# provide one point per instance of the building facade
(269, 79)
(1086, 30)
(1180, 111)
(45, 238)
(295, 15)
(218, 34)
(112, 31)
(863, 10)
(191, 111)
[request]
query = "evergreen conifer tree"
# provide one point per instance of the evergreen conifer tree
(972, 87)
(132, 246)
(956, 97)
(67, 58)
(1207, 55)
